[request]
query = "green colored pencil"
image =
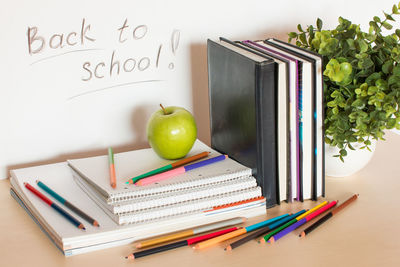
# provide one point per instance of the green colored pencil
(277, 230)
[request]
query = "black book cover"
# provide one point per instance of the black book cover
(243, 111)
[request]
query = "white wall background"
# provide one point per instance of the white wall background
(49, 108)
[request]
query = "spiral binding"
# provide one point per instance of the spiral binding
(170, 198)
(194, 182)
(189, 206)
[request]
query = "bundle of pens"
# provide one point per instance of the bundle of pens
(270, 230)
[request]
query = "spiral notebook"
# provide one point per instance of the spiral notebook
(95, 172)
(168, 198)
(177, 203)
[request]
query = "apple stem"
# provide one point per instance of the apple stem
(165, 112)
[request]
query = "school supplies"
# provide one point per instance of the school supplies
(55, 206)
(169, 167)
(204, 196)
(265, 238)
(262, 231)
(189, 232)
(113, 180)
(301, 221)
(178, 244)
(328, 216)
(238, 232)
(165, 175)
(68, 204)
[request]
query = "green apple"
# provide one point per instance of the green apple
(171, 132)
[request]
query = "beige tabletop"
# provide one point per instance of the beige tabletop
(366, 233)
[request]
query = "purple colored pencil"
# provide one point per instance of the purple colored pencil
(180, 170)
(289, 229)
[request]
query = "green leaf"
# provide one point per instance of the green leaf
(372, 90)
(387, 25)
(351, 44)
(381, 84)
(299, 28)
(343, 152)
(387, 66)
(388, 17)
(395, 9)
(372, 78)
(365, 63)
(361, 45)
(319, 24)
(331, 104)
(377, 19)
(398, 32)
(303, 38)
(358, 104)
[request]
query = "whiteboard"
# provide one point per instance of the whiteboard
(80, 76)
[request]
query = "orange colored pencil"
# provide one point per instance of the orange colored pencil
(216, 240)
(113, 179)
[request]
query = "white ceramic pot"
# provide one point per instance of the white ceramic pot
(353, 162)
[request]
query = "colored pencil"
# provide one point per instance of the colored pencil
(190, 232)
(268, 228)
(68, 204)
(168, 167)
(113, 179)
(277, 230)
(328, 216)
(180, 170)
(238, 232)
(301, 221)
(178, 244)
(55, 206)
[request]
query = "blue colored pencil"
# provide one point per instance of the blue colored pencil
(263, 230)
(67, 204)
(55, 206)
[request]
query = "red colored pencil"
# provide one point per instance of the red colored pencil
(55, 206)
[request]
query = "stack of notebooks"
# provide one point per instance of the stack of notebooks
(266, 111)
(212, 193)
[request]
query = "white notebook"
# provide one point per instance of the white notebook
(95, 170)
(71, 240)
(165, 205)
(168, 198)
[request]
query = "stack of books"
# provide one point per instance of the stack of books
(266, 111)
(205, 195)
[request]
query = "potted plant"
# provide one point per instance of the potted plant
(361, 79)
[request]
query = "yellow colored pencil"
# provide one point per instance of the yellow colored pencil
(311, 210)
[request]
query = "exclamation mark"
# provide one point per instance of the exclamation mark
(174, 45)
(158, 55)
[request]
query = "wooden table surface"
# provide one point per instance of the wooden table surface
(366, 233)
